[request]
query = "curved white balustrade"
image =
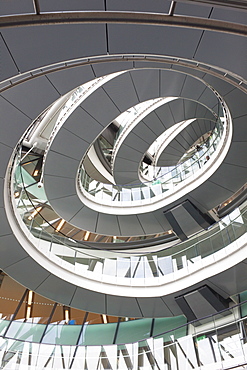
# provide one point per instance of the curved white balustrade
(169, 181)
(155, 269)
(121, 199)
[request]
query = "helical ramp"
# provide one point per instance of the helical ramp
(168, 95)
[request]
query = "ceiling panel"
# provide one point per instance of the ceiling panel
(70, 145)
(185, 139)
(173, 150)
(223, 50)
(130, 225)
(89, 300)
(237, 154)
(123, 306)
(189, 134)
(12, 7)
(58, 187)
(171, 83)
(146, 83)
(154, 307)
(85, 219)
(209, 99)
(4, 225)
(192, 9)
(53, 41)
(150, 224)
(32, 274)
(236, 100)
(5, 154)
(196, 202)
(187, 70)
(202, 112)
(176, 147)
(69, 78)
(71, 5)
(145, 131)
(219, 84)
(192, 88)
(209, 195)
(134, 141)
(197, 128)
(83, 125)
(152, 40)
(1, 191)
(236, 176)
(127, 164)
(122, 91)
(229, 15)
(67, 206)
(177, 110)
(15, 121)
(33, 96)
(159, 120)
(10, 68)
(56, 163)
(126, 170)
(107, 224)
(158, 214)
(138, 5)
(126, 152)
(56, 289)
(125, 177)
(101, 107)
(240, 132)
(127, 159)
(11, 251)
(231, 283)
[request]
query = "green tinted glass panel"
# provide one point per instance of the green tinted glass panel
(134, 330)
(62, 334)
(98, 334)
(3, 326)
(25, 331)
(162, 325)
(69, 334)
(243, 297)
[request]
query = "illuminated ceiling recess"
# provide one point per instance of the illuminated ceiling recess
(71, 74)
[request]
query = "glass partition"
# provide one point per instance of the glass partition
(25, 331)
(164, 324)
(216, 341)
(138, 328)
(62, 334)
(97, 334)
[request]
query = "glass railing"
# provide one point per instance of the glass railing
(30, 177)
(130, 118)
(146, 192)
(88, 333)
(194, 159)
(217, 341)
(120, 267)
